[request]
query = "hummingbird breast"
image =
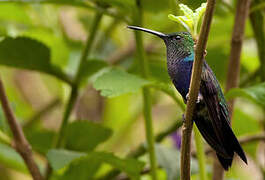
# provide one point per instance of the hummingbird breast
(180, 74)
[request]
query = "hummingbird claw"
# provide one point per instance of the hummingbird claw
(199, 99)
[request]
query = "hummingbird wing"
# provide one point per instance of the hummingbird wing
(219, 118)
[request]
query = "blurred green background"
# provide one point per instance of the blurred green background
(41, 42)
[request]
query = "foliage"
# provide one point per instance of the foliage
(41, 47)
(191, 19)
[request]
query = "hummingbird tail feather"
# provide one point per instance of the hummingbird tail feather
(226, 163)
(233, 143)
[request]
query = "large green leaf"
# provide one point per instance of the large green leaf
(91, 67)
(255, 93)
(59, 159)
(40, 140)
(117, 82)
(78, 162)
(85, 135)
(82, 169)
(10, 158)
(58, 48)
(26, 53)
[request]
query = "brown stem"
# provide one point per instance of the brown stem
(234, 65)
(194, 89)
(20, 142)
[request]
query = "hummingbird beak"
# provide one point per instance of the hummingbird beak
(159, 34)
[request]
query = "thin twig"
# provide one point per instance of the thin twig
(36, 117)
(194, 89)
(147, 101)
(234, 64)
(74, 91)
(20, 142)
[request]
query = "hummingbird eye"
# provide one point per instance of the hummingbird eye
(178, 37)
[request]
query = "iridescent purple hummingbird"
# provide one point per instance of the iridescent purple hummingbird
(211, 114)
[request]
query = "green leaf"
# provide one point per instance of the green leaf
(82, 169)
(58, 159)
(18, 14)
(11, 159)
(58, 48)
(117, 82)
(186, 10)
(255, 93)
(168, 159)
(85, 135)
(91, 67)
(78, 162)
(191, 19)
(26, 53)
(40, 140)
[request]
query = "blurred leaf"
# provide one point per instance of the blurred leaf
(26, 53)
(117, 82)
(244, 124)
(255, 93)
(40, 140)
(61, 158)
(58, 159)
(10, 158)
(149, 5)
(18, 13)
(82, 169)
(85, 135)
(169, 158)
(91, 67)
(58, 48)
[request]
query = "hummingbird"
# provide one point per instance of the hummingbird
(211, 114)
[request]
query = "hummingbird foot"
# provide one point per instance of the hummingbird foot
(199, 98)
(204, 53)
(183, 118)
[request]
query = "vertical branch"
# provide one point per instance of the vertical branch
(194, 89)
(234, 65)
(257, 22)
(146, 92)
(20, 142)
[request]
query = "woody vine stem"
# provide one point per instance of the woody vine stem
(194, 89)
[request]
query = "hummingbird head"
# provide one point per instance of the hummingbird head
(180, 45)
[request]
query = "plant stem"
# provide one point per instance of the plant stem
(200, 154)
(20, 142)
(75, 85)
(234, 65)
(146, 91)
(74, 91)
(194, 89)
(257, 22)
